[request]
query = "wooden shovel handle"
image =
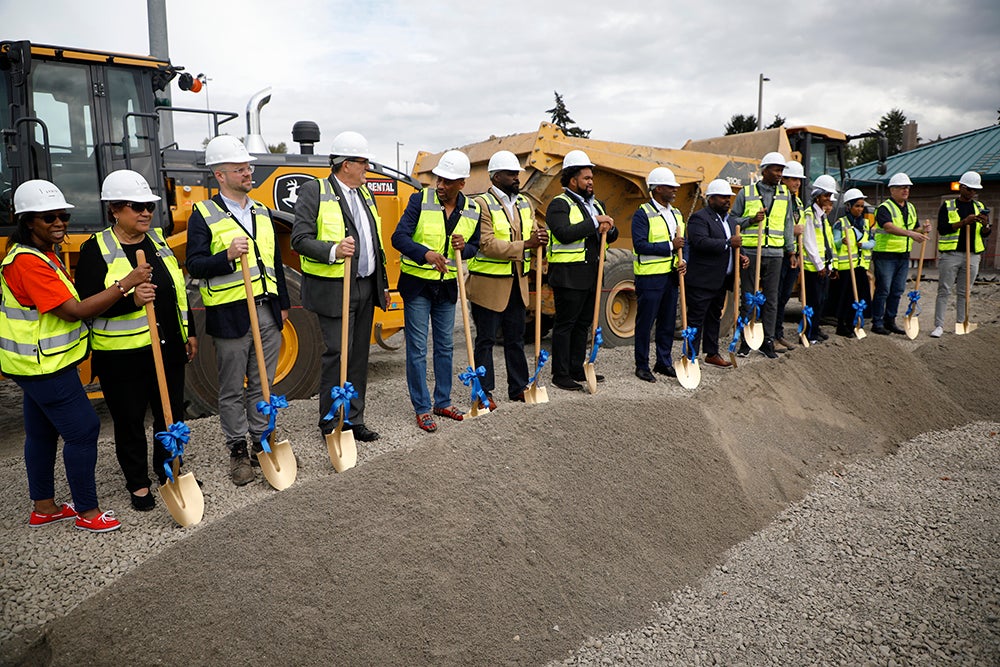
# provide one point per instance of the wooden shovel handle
(154, 343)
(920, 264)
(600, 285)
(345, 315)
(538, 303)
(680, 278)
(850, 260)
(737, 297)
(255, 330)
(462, 299)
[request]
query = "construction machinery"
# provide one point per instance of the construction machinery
(72, 116)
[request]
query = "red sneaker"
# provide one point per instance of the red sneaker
(65, 512)
(102, 523)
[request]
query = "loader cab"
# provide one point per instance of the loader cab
(72, 116)
(819, 149)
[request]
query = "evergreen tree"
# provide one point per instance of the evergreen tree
(739, 124)
(561, 119)
(892, 125)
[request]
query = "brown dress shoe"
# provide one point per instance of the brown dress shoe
(716, 360)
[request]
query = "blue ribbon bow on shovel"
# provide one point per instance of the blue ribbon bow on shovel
(470, 378)
(914, 296)
(756, 301)
(270, 410)
(807, 314)
(859, 313)
(173, 440)
(341, 397)
(598, 340)
(740, 323)
(543, 356)
(689, 335)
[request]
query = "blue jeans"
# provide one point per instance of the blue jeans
(440, 313)
(53, 406)
(890, 283)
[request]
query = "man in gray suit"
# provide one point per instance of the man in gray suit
(335, 217)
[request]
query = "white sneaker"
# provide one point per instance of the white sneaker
(937, 332)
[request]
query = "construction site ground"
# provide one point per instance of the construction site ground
(512, 538)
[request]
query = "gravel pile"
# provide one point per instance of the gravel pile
(892, 562)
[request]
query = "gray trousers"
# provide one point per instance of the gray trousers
(359, 332)
(236, 359)
(770, 274)
(951, 266)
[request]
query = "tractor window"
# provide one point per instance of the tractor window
(123, 93)
(823, 158)
(6, 191)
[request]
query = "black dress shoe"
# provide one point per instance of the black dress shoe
(665, 370)
(518, 397)
(597, 376)
(767, 349)
(821, 334)
(891, 327)
(143, 503)
(880, 330)
(363, 433)
(567, 383)
(645, 374)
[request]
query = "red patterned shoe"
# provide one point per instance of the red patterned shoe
(450, 412)
(426, 422)
(102, 523)
(65, 512)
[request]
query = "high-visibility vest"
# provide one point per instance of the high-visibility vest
(949, 242)
(649, 265)
(774, 222)
(131, 331)
(824, 239)
(330, 227)
(33, 343)
(228, 288)
(850, 241)
(575, 252)
(491, 266)
(886, 242)
(432, 233)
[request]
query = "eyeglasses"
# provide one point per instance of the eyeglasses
(139, 206)
(49, 218)
(242, 171)
(359, 160)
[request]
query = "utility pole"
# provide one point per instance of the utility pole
(760, 102)
(398, 144)
(156, 16)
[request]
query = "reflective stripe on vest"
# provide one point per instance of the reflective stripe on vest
(33, 343)
(886, 242)
(849, 238)
(949, 242)
(774, 221)
(131, 331)
(491, 266)
(330, 227)
(824, 239)
(431, 233)
(648, 265)
(228, 288)
(576, 252)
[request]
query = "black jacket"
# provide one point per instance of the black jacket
(708, 252)
(578, 275)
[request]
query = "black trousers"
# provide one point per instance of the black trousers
(574, 312)
(705, 313)
(845, 299)
(816, 291)
(130, 389)
(361, 315)
(511, 322)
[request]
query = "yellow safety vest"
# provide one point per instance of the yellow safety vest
(824, 239)
(850, 241)
(886, 242)
(131, 331)
(491, 266)
(431, 232)
(228, 288)
(774, 222)
(576, 252)
(649, 265)
(949, 242)
(330, 227)
(33, 343)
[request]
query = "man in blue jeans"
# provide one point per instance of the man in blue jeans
(896, 229)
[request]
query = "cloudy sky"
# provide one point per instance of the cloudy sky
(434, 75)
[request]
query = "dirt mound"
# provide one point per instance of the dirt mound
(510, 539)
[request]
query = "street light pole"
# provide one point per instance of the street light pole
(204, 81)
(760, 102)
(398, 144)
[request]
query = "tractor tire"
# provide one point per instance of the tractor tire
(618, 300)
(298, 362)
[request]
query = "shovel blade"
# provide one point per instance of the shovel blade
(590, 374)
(184, 500)
(753, 333)
(911, 326)
(535, 394)
(962, 328)
(688, 372)
(343, 449)
(860, 333)
(477, 410)
(804, 339)
(279, 467)
(732, 359)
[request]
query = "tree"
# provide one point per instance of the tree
(776, 123)
(280, 148)
(561, 119)
(891, 124)
(739, 124)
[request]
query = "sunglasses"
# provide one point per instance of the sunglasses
(139, 207)
(49, 218)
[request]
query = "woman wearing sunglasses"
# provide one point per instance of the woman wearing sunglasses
(123, 357)
(42, 339)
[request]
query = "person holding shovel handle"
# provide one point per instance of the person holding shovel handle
(852, 243)
(120, 337)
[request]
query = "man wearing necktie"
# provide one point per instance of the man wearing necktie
(335, 217)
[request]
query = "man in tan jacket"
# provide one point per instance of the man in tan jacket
(498, 283)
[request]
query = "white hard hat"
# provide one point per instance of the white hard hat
(37, 196)
(576, 158)
(661, 176)
(826, 183)
(971, 179)
(853, 194)
(452, 165)
(503, 161)
(126, 185)
(719, 186)
(225, 149)
(899, 179)
(772, 158)
(350, 144)
(793, 169)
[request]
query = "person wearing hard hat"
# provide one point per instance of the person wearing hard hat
(336, 217)
(765, 208)
(852, 252)
(792, 178)
(896, 230)
(957, 219)
(498, 274)
(42, 339)
(818, 251)
(229, 227)
(122, 351)
(657, 234)
(576, 221)
(439, 226)
(714, 254)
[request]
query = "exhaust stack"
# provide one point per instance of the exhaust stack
(255, 140)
